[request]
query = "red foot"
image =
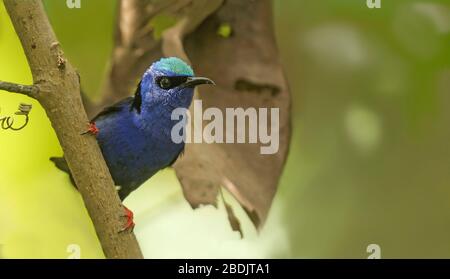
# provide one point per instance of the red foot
(129, 225)
(93, 130)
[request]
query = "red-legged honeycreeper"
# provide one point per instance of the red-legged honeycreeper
(135, 133)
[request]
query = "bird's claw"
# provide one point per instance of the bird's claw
(129, 225)
(93, 130)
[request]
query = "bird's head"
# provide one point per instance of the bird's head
(170, 81)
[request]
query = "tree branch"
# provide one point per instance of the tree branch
(59, 95)
(172, 44)
(29, 90)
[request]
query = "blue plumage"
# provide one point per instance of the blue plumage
(135, 134)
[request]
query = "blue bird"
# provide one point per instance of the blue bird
(135, 134)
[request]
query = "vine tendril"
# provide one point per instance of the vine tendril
(7, 122)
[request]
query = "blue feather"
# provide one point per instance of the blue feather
(135, 134)
(136, 143)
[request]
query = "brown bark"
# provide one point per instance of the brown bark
(59, 94)
(28, 90)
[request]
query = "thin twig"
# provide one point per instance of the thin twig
(29, 90)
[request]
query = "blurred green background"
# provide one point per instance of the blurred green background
(369, 161)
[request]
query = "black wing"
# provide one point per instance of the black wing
(61, 164)
(131, 102)
(176, 157)
(114, 108)
(137, 101)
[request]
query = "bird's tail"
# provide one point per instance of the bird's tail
(61, 164)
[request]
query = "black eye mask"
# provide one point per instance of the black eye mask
(165, 82)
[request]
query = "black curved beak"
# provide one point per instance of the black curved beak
(194, 81)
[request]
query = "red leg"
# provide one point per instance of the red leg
(129, 225)
(93, 130)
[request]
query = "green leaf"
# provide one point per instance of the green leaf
(224, 30)
(160, 23)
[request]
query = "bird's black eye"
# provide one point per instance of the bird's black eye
(169, 82)
(165, 83)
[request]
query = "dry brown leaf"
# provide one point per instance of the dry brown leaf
(234, 221)
(246, 69)
(247, 72)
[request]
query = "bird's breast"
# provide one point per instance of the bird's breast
(133, 152)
